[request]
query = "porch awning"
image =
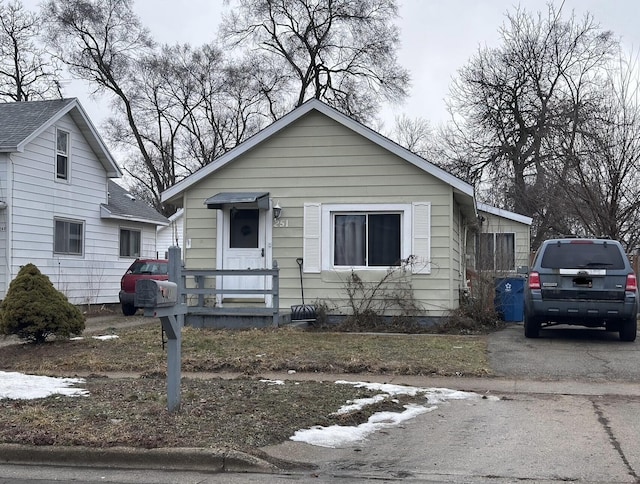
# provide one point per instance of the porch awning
(248, 199)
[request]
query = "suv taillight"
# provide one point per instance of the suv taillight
(534, 280)
(632, 283)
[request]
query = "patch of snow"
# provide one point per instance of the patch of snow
(102, 338)
(106, 337)
(18, 386)
(273, 382)
(338, 435)
(355, 405)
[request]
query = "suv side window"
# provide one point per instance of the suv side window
(582, 256)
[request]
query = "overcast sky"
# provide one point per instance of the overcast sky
(438, 37)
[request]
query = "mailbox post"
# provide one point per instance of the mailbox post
(162, 299)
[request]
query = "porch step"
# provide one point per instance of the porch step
(230, 318)
(231, 311)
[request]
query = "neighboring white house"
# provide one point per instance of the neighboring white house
(60, 208)
(503, 242)
(317, 185)
(170, 235)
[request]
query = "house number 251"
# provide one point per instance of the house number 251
(281, 223)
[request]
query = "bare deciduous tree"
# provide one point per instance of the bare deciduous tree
(516, 108)
(175, 108)
(102, 42)
(27, 71)
(414, 134)
(603, 179)
(340, 51)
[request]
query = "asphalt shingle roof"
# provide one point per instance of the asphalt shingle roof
(123, 204)
(18, 120)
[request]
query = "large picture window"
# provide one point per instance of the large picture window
(130, 243)
(366, 236)
(367, 239)
(62, 155)
(496, 252)
(69, 237)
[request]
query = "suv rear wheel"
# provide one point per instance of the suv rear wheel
(531, 326)
(628, 330)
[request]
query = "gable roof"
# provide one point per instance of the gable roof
(22, 122)
(516, 217)
(460, 187)
(124, 206)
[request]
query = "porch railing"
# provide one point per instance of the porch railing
(199, 288)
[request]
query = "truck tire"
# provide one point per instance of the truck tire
(531, 326)
(628, 330)
(128, 309)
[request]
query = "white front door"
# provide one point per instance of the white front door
(244, 247)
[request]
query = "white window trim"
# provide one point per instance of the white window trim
(328, 229)
(68, 155)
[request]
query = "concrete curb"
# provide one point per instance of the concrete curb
(175, 459)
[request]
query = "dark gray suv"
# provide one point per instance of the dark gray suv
(586, 282)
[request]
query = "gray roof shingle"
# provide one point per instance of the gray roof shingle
(18, 120)
(21, 122)
(123, 205)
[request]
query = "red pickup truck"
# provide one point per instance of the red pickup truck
(140, 269)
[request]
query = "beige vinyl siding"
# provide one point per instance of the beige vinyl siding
(496, 224)
(457, 267)
(318, 160)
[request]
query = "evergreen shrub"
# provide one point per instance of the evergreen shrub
(34, 309)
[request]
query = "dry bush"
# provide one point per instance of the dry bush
(477, 312)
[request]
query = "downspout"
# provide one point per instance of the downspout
(451, 242)
(8, 230)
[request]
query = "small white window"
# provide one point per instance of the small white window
(62, 155)
(69, 237)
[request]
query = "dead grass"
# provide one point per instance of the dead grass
(242, 413)
(253, 351)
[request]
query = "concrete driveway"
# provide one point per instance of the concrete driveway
(564, 353)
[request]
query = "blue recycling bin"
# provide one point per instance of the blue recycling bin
(509, 299)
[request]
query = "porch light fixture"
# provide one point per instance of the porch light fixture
(277, 211)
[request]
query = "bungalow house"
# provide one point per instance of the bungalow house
(59, 206)
(319, 189)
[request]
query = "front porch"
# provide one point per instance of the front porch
(208, 308)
